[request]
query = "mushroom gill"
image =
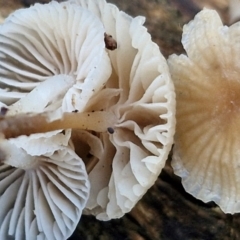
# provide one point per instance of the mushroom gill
(59, 46)
(206, 153)
(233, 11)
(140, 93)
(55, 64)
(43, 188)
(52, 60)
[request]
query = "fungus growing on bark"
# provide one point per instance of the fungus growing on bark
(206, 152)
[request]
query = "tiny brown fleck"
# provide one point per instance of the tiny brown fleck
(110, 42)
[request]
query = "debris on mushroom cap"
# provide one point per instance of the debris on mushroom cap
(110, 43)
(141, 95)
(206, 154)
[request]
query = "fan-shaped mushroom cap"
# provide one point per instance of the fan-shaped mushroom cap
(61, 43)
(64, 43)
(43, 196)
(140, 93)
(52, 58)
(206, 154)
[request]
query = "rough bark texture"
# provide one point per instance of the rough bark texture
(166, 212)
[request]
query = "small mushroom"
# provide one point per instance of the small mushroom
(52, 57)
(43, 187)
(141, 95)
(206, 153)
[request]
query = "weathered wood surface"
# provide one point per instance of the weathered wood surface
(166, 212)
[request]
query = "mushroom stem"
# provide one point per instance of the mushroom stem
(91, 164)
(24, 124)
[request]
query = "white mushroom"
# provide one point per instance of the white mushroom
(43, 188)
(206, 154)
(51, 59)
(141, 95)
(64, 43)
(60, 43)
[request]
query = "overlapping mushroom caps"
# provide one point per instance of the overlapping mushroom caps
(206, 153)
(141, 95)
(53, 58)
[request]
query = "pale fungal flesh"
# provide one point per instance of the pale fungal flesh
(42, 197)
(206, 154)
(51, 57)
(54, 63)
(52, 43)
(234, 15)
(141, 95)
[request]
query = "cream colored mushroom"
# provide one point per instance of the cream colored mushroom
(51, 60)
(57, 51)
(130, 85)
(140, 93)
(206, 154)
(43, 187)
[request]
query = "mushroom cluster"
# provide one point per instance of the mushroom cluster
(206, 153)
(94, 94)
